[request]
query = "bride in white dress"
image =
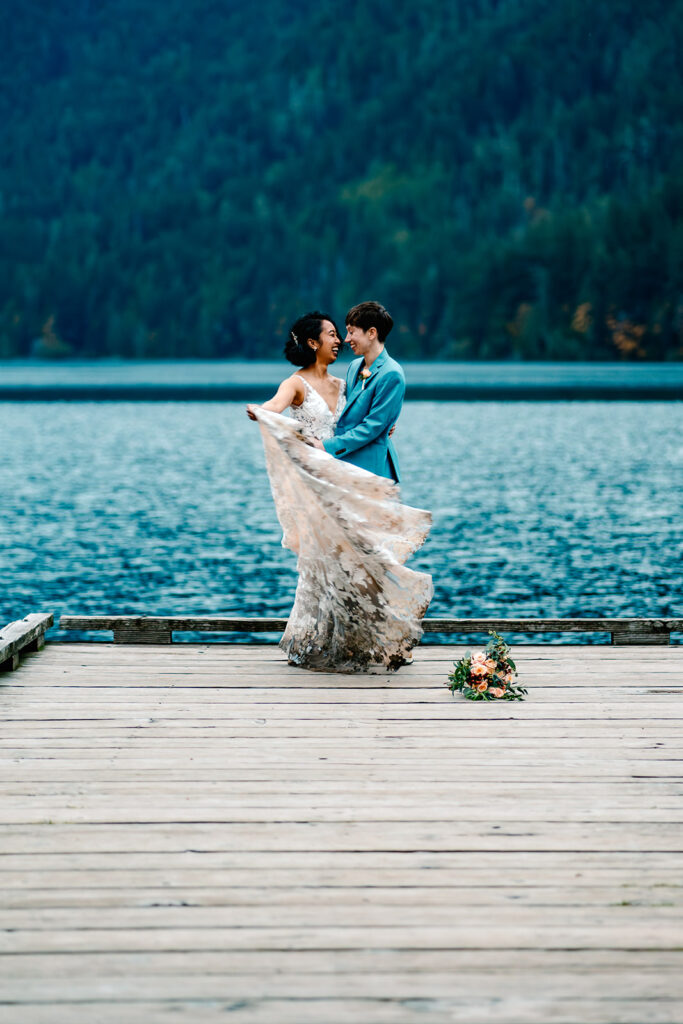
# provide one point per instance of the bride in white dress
(357, 606)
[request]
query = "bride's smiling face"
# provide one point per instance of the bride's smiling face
(329, 343)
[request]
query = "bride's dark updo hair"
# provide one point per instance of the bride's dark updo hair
(297, 349)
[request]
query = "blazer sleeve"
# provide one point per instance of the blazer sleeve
(384, 411)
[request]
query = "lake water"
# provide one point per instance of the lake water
(540, 508)
(254, 381)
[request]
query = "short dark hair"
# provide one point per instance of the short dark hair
(370, 314)
(297, 349)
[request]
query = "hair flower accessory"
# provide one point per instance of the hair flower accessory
(365, 375)
(294, 338)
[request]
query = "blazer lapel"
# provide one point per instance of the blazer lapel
(355, 379)
(358, 388)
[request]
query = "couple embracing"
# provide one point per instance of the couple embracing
(334, 473)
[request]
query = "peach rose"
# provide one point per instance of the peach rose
(479, 670)
(509, 677)
(478, 658)
(497, 691)
(490, 664)
(482, 686)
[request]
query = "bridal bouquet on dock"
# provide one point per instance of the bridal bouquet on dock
(488, 674)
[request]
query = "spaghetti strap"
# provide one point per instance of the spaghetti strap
(310, 390)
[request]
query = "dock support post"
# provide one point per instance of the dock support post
(142, 635)
(646, 636)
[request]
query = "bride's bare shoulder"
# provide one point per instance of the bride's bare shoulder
(296, 387)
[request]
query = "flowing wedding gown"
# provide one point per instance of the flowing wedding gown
(356, 603)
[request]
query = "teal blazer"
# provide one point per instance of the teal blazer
(372, 407)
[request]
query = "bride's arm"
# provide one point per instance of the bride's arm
(285, 396)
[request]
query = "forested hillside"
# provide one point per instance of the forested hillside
(184, 177)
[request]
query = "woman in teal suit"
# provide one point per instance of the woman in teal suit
(375, 388)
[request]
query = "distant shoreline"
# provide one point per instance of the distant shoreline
(414, 393)
(241, 381)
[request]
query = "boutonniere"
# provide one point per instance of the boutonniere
(365, 375)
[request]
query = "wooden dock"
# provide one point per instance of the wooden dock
(201, 833)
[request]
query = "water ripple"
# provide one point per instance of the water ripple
(547, 509)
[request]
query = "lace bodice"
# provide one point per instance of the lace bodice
(314, 413)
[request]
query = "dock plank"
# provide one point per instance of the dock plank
(201, 830)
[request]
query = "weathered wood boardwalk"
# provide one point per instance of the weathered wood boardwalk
(201, 833)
